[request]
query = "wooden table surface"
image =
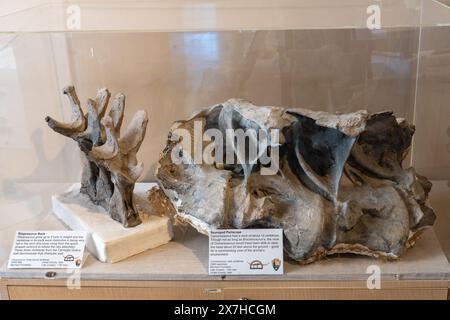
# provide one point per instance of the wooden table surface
(186, 258)
(178, 270)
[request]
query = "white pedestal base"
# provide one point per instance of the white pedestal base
(107, 239)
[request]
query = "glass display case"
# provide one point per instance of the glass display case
(172, 58)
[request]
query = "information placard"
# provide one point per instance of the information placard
(246, 252)
(47, 249)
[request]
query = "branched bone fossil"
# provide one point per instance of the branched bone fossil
(110, 167)
(338, 185)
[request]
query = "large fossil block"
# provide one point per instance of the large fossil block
(333, 182)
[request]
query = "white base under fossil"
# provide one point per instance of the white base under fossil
(107, 239)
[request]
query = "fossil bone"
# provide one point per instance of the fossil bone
(110, 168)
(339, 185)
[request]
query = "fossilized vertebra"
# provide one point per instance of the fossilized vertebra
(339, 184)
(110, 167)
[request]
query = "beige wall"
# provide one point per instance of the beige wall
(432, 143)
(28, 83)
(172, 74)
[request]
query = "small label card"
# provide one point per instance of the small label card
(246, 252)
(47, 249)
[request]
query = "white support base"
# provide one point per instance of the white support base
(107, 239)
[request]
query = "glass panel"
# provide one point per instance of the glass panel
(203, 15)
(173, 74)
(174, 57)
(431, 156)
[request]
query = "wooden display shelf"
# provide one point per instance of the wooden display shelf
(178, 270)
(17, 289)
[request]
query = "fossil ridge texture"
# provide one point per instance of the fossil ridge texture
(109, 164)
(339, 186)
